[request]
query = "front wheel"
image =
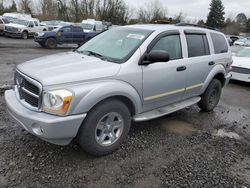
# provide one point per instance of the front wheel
(24, 35)
(211, 97)
(51, 43)
(105, 128)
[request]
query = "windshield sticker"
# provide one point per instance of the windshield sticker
(135, 36)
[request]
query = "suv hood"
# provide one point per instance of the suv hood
(15, 25)
(68, 67)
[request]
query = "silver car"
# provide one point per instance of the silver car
(130, 73)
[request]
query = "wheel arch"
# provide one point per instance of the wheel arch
(97, 93)
(217, 72)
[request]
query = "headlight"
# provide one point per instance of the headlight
(19, 29)
(57, 102)
(40, 34)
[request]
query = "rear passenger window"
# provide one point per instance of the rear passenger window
(36, 24)
(171, 44)
(220, 43)
(77, 29)
(197, 45)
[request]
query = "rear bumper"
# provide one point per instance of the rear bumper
(53, 129)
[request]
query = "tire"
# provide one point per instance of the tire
(99, 135)
(51, 43)
(211, 97)
(24, 35)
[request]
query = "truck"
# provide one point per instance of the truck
(130, 73)
(23, 27)
(70, 34)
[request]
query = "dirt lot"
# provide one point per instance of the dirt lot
(188, 148)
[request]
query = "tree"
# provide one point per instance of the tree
(216, 17)
(26, 6)
(62, 10)
(12, 7)
(248, 25)
(241, 18)
(48, 9)
(75, 10)
(2, 10)
(201, 22)
(114, 11)
(152, 12)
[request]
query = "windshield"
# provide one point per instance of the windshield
(21, 22)
(6, 21)
(117, 45)
(87, 26)
(244, 53)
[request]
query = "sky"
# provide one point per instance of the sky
(196, 9)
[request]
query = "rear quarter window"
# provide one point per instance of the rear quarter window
(220, 43)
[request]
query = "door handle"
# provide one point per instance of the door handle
(182, 68)
(211, 63)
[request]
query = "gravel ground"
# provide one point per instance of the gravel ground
(184, 149)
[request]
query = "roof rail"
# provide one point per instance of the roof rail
(196, 25)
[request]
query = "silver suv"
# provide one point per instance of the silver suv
(137, 72)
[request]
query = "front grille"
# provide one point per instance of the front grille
(241, 70)
(11, 29)
(29, 90)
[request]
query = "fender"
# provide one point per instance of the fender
(88, 95)
(218, 69)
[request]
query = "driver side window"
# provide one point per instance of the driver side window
(66, 29)
(170, 44)
(31, 24)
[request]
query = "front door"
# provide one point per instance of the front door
(164, 83)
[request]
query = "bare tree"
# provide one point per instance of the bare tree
(48, 9)
(151, 12)
(75, 10)
(26, 6)
(63, 10)
(114, 11)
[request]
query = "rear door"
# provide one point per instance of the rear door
(199, 61)
(65, 35)
(78, 35)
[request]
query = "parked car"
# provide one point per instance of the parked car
(91, 25)
(3, 22)
(242, 42)
(23, 28)
(136, 72)
(54, 24)
(234, 38)
(64, 35)
(14, 15)
(241, 65)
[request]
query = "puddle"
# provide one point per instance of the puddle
(178, 127)
(224, 133)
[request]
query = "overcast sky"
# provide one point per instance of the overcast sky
(196, 8)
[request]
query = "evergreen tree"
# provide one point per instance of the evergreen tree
(241, 18)
(216, 17)
(13, 7)
(248, 25)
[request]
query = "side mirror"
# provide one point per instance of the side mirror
(156, 56)
(31, 25)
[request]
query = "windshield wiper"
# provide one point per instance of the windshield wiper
(91, 53)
